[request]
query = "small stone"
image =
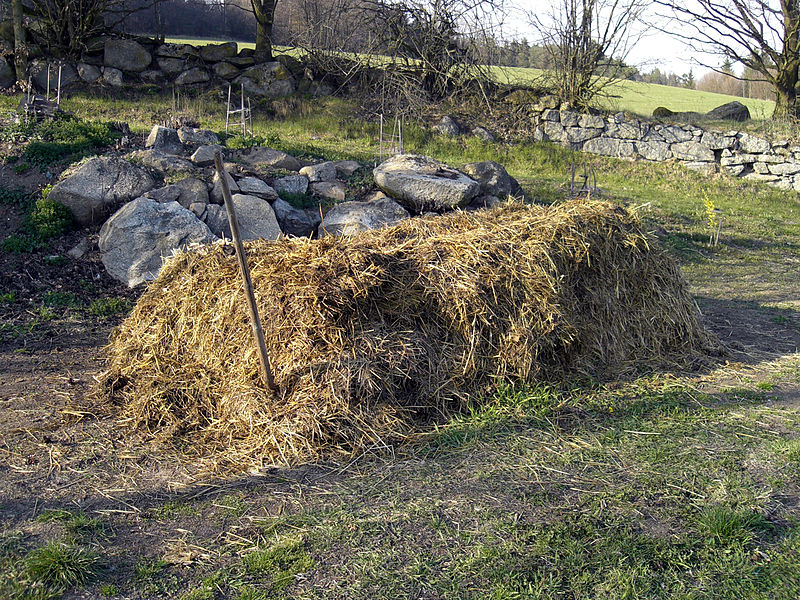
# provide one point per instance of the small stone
(193, 136)
(292, 185)
(112, 77)
(216, 192)
(256, 187)
(324, 171)
(330, 190)
(204, 155)
(89, 73)
(199, 209)
(483, 134)
(80, 249)
(448, 126)
(346, 168)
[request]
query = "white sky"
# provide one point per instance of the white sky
(655, 49)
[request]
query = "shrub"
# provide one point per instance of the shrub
(49, 219)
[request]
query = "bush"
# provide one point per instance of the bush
(49, 219)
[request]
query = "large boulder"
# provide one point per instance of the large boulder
(126, 55)
(732, 111)
(421, 183)
(218, 52)
(99, 186)
(270, 79)
(493, 178)
(256, 218)
(164, 139)
(137, 239)
(352, 218)
(7, 77)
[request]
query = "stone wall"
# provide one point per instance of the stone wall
(117, 62)
(736, 153)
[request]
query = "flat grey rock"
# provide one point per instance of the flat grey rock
(420, 183)
(256, 187)
(193, 136)
(267, 157)
(204, 155)
(352, 218)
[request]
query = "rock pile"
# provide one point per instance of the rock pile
(274, 193)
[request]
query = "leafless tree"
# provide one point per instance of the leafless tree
(587, 41)
(763, 35)
(65, 27)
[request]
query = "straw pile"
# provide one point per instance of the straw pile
(371, 336)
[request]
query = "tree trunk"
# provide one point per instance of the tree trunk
(264, 11)
(785, 80)
(785, 103)
(20, 48)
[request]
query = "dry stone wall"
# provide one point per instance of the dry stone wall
(736, 153)
(118, 61)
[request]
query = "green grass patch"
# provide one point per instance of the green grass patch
(47, 572)
(107, 308)
(279, 563)
(53, 140)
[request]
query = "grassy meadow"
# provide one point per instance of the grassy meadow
(663, 486)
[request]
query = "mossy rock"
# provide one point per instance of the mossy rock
(662, 111)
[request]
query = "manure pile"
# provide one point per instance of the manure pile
(373, 335)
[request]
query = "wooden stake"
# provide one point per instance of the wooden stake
(255, 322)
